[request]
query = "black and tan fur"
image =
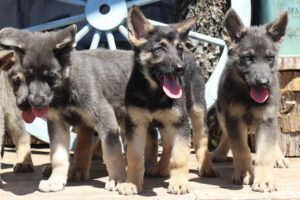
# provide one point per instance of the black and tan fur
(82, 88)
(159, 50)
(120, 76)
(10, 117)
(251, 63)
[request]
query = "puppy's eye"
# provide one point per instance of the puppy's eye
(270, 59)
(52, 75)
(16, 81)
(247, 59)
(159, 50)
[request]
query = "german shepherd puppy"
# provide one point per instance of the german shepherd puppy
(248, 98)
(78, 88)
(10, 117)
(165, 88)
(84, 148)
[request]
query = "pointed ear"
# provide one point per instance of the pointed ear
(7, 59)
(139, 28)
(233, 26)
(66, 38)
(276, 29)
(183, 28)
(11, 38)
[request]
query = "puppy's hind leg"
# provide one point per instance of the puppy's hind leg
(221, 152)
(200, 141)
(59, 136)
(21, 139)
(108, 129)
(162, 168)
(82, 154)
(151, 151)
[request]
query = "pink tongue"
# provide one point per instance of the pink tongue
(171, 88)
(260, 95)
(40, 112)
(28, 116)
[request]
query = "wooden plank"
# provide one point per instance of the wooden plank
(24, 186)
(288, 63)
(290, 144)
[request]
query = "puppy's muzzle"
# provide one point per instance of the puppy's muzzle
(179, 69)
(262, 82)
(36, 101)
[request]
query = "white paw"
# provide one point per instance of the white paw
(53, 184)
(264, 186)
(112, 185)
(129, 189)
(178, 186)
(282, 163)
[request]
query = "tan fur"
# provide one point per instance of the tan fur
(162, 168)
(151, 153)
(135, 41)
(59, 157)
(135, 152)
(220, 153)
(174, 157)
(82, 154)
(182, 27)
(179, 168)
(242, 161)
(200, 141)
(237, 110)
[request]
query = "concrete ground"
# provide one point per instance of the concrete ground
(25, 186)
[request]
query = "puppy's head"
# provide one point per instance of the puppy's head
(9, 63)
(252, 51)
(158, 50)
(43, 63)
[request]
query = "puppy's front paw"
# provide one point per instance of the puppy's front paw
(282, 163)
(208, 172)
(243, 178)
(112, 185)
(53, 184)
(263, 180)
(264, 186)
(23, 167)
(178, 186)
(129, 189)
(77, 175)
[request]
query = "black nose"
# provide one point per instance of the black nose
(262, 82)
(179, 69)
(36, 101)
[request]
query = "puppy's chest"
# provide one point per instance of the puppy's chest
(252, 115)
(73, 115)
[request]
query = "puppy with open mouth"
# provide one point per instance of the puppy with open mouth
(165, 88)
(248, 98)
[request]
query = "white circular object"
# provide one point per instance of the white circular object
(106, 15)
